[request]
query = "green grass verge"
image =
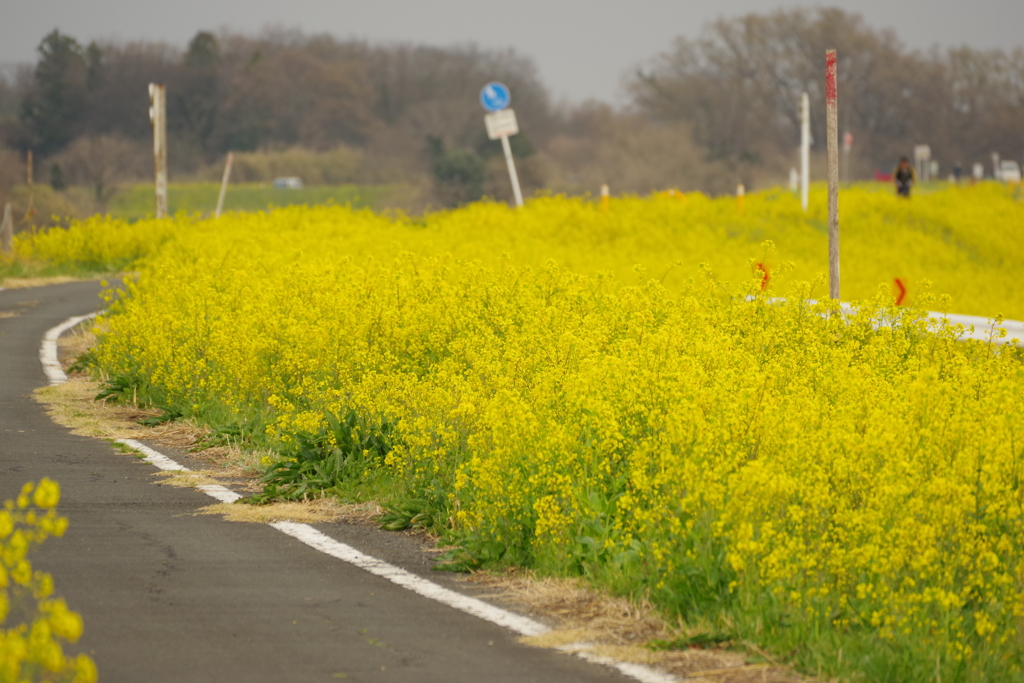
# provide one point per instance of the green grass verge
(137, 201)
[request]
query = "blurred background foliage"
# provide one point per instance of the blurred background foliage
(704, 115)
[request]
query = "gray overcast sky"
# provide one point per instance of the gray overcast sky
(582, 48)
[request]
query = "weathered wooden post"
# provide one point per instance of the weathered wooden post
(158, 118)
(7, 231)
(832, 124)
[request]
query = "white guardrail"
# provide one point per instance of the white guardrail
(983, 329)
(975, 327)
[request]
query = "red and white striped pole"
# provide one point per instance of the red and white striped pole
(832, 133)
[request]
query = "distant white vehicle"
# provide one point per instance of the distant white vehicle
(289, 183)
(1009, 171)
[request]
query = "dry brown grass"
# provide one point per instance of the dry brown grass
(586, 620)
(188, 479)
(26, 282)
(71, 404)
(73, 344)
(309, 512)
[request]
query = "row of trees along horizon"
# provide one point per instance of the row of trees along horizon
(705, 114)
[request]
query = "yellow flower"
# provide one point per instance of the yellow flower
(47, 494)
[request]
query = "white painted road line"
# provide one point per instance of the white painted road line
(637, 671)
(221, 493)
(155, 458)
(318, 540)
(48, 351)
(428, 589)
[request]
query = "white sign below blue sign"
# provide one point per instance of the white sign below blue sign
(495, 96)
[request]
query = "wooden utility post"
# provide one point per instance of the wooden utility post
(158, 118)
(7, 231)
(832, 125)
(224, 184)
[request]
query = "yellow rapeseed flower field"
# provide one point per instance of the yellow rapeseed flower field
(611, 393)
(34, 623)
(966, 241)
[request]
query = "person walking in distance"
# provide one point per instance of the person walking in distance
(904, 176)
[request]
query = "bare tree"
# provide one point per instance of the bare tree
(630, 153)
(706, 114)
(101, 163)
(739, 84)
(985, 90)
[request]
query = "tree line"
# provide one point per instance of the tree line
(739, 85)
(707, 113)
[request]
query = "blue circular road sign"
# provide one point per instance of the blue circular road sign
(495, 96)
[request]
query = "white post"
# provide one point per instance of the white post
(805, 148)
(7, 231)
(30, 210)
(512, 170)
(158, 118)
(847, 146)
(832, 127)
(224, 184)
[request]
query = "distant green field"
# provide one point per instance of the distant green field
(136, 202)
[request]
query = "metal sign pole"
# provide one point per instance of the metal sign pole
(500, 122)
(512, 170)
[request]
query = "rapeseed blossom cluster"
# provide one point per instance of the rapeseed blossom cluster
(31, 650)
(964, 240)
(842, 486)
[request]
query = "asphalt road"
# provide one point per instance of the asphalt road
(168, 595)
